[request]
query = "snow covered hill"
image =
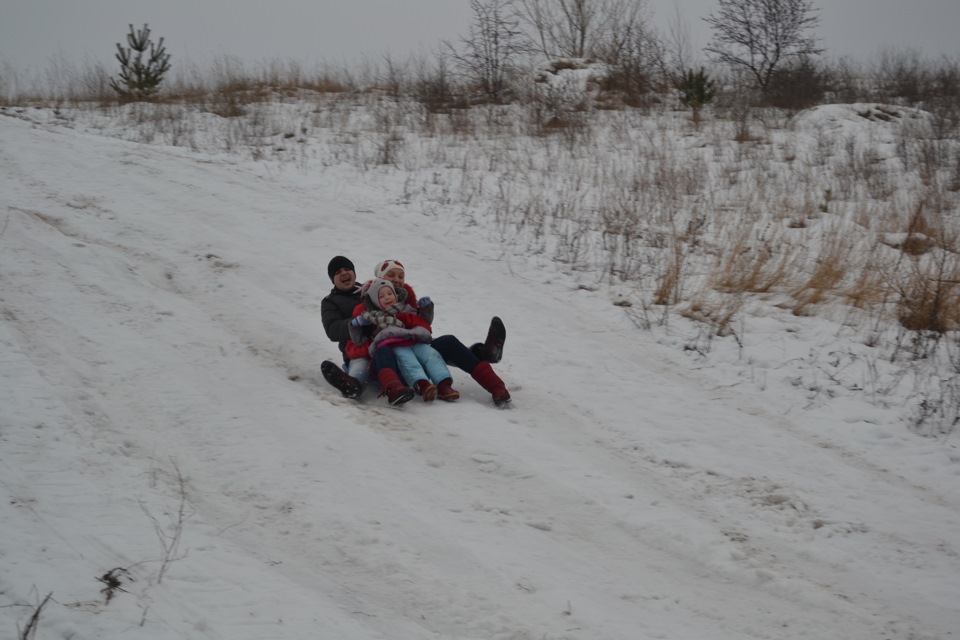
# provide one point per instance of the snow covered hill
(174, 466)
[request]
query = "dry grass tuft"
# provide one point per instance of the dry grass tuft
(669, 284)
(929, 294)
(753, 268)
(718, 311)
(830, 268)
(870, 287)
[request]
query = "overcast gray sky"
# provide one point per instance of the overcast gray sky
(337, 31)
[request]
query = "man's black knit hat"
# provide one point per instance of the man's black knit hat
(337, 263)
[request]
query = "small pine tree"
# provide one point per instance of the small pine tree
(696, 90)
(140, 78)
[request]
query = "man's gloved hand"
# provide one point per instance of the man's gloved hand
(359, 321)
(424, 301)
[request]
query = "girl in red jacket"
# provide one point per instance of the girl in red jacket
(396, 325)
(474, 360)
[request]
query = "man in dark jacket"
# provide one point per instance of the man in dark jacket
(336, 314)
(336, 309)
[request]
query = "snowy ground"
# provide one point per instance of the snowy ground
(163, 422)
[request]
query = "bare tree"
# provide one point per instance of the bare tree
(678, 54)
(552, 33)
(581, 28)
(636, 63)
(757, 35)
(434, 86)
(623, 30)
(491, 48)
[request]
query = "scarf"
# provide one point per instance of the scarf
(383, 318)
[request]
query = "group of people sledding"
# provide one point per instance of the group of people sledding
(383, 330)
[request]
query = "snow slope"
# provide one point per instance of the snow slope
(162, 416)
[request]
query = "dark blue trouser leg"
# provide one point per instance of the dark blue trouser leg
(455, 352)
(386, 359)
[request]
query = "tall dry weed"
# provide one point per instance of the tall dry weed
(670, 280)
(758, 266)
(869, 289)
(831, 266)
(929, 293)
(717, 311)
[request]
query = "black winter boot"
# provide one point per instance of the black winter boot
(492, 349)
(348, 385)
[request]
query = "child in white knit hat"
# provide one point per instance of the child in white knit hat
(397, 325)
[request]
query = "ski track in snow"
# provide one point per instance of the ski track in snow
(509, 501)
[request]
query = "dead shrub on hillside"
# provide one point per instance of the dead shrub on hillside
(936, 411)
(717, 311)
(869, 290)
(831, 266)
(736, 102)
(436, 89)
(753, 267)
(670, 277)
(901, 76)
(928, 289)
(621, 232)
(933, 409)
(800, 84)
(927, 228)
(926, 277)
